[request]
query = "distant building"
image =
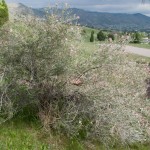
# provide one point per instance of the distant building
(145, 40)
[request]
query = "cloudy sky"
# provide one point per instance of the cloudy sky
(114, 6)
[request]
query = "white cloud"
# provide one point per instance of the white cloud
(144, 7)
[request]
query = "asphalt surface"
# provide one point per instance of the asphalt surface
(138, 51)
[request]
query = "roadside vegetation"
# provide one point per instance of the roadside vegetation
(55, 84)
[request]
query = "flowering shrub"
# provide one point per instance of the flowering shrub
(116, 86)
(41, 64)
(33, 52)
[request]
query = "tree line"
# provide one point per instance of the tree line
(101, 36)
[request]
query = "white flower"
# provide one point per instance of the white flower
(11, 30)
(80, 122)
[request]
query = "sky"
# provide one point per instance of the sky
(113, 6)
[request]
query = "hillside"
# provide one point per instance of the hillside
(113, 20)
(117, 21)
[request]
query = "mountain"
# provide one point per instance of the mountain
(117, 21)
(17, 8)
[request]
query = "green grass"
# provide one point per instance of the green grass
(147, 46)
(138, 58)
(24, 132)
(20, 136)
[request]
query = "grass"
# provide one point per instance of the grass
(138, 58)
(25, 132)
(20, 135)
(147, 46)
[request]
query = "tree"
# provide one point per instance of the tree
(111, 35)
(4, 16)
(101, 36)
(137, 37)
(92, 36)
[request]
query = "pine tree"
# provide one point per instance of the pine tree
(92, 36)
(4, 16)
(101, 36)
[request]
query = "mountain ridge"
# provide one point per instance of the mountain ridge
(120, 21)
(105, 20)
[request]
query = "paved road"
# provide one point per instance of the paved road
(139, 51)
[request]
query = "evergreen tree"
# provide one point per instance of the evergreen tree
(4, 16)
(92, 36)
(101, 36)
